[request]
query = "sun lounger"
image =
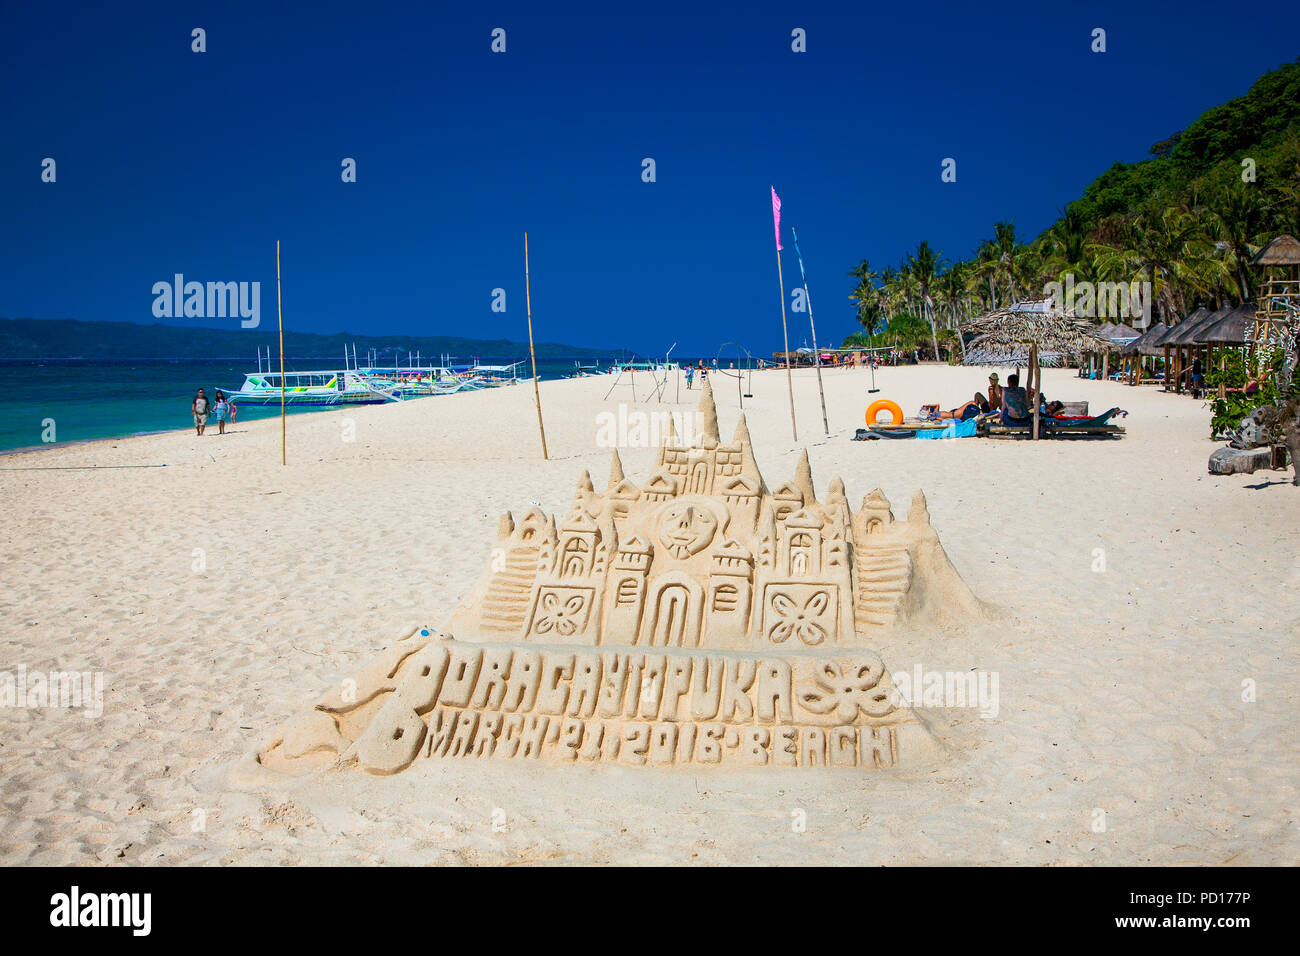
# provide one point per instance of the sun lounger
(1093, 426)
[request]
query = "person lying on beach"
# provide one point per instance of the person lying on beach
(977, 405)
(200, 409)
(1015, 403)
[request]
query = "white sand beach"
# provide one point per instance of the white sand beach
(1146, 651)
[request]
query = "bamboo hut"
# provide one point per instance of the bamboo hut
(1035, 333)
(1229, 329)
(1226, 332)
(1139, 350)
(1117, 336)
(1181, 340)
(1279, 294)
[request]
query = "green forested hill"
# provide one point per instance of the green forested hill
(70, 338)
(1187, 221)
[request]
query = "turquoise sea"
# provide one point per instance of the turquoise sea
(78, 400)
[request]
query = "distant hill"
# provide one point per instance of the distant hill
(71, 338)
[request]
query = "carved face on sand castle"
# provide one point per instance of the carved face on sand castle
(687, 527)
(696, 617)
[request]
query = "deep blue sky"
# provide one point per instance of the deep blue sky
(171, 161)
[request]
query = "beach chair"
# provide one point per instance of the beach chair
(1091, 426)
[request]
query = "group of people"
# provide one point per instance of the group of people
(202, 407)
(703, 370)
(1011, 403)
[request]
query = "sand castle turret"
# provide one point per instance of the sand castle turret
(697, 604)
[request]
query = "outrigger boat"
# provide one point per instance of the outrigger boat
(414, 381)
(584, 371)
(307, 389)
(492, 376)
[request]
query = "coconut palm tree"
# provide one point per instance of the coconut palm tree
(1238, 218)
(1005, 247)
(951, 286)
(1169, 247)
(924, 264)
(866, 296)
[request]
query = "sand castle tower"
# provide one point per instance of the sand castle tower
(693, 617)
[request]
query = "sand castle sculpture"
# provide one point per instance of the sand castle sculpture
(699, 618)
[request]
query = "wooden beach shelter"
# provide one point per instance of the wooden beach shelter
(1181, 341)
(1140, 349)
(1278, 313)
(1117, 336)
(1226, 333)
(1035, 333)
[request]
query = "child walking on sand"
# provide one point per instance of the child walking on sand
(223, 412)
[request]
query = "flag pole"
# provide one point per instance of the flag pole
(279, 312)
(537, 395)
(789, 379)
(817, 355)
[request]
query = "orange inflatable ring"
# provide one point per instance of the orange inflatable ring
(884, 405)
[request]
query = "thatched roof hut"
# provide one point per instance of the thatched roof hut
(1032, 332)
(1158, 343)
(1282, 250)
(1117, 334)
(1228, 329)
(1184, 333)
(1004, 336)
(1143, 344)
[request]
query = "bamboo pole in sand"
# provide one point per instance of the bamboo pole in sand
(537, 395)
(279, 312)
(817, 356)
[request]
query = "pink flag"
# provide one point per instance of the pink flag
(776, 218)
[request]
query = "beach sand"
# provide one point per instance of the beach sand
(1147, 704)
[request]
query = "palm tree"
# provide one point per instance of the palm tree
(951, 286)
(1004, 246)
(1238, 219)
(866, 296)
(1168, 247)
(924, 263)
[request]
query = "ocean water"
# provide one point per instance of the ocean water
(78, 400)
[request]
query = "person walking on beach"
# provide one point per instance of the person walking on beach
(690, 375)
(200, 409)
(222, 409)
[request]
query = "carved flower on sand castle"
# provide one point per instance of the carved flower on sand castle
(797, 619)
(847, 690)
(561, 613)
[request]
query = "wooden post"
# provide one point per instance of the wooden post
(1035, 374)
(537, 395)
(279, 312)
